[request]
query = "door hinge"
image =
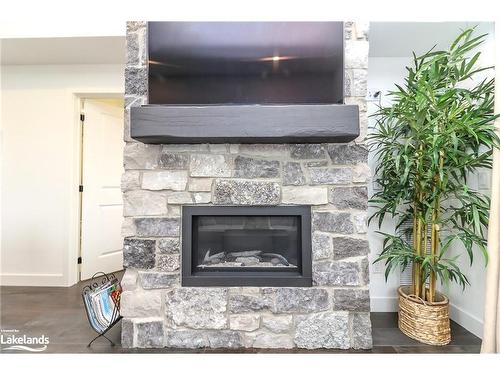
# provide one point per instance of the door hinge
(79, 260)
(82, 117)
(80, 188)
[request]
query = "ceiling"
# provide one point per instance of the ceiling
(387, 39)
(80, 50)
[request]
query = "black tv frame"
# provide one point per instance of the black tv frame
(341, 84)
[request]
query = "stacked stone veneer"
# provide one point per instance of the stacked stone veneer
(159, 179)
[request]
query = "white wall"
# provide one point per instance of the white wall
(39, 168)
(383, 73)
(467, 307)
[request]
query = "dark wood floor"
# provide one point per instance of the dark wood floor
(59, 314)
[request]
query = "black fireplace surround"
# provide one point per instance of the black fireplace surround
(246, 246)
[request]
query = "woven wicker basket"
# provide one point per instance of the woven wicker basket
(424, 321)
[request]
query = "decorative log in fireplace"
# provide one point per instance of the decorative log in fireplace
(246, 246)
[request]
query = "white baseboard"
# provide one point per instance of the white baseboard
(467, 320)
(32, 279)
(384, 304)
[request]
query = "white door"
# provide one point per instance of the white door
(102, 167)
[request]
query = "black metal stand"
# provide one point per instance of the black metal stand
(97, 280)
(103, 334)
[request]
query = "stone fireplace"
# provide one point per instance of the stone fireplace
(245, 245)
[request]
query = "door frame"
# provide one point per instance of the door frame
(74, 245)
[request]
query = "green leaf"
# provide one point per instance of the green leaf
(463, 35)
(471, 63)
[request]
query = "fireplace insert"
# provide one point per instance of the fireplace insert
(246, 246)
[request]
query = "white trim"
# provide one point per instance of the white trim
(384, 304)
(79, 95)
(467, 320)
(32, 279)
(71, 254)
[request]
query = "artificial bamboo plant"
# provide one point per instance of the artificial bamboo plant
(437, 131)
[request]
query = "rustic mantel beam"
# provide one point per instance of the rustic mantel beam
(323, 123)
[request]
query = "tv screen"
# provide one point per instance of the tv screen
(204, 63)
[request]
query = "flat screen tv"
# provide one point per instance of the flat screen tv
(210, 63)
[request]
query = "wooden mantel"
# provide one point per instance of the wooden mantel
(315, 123)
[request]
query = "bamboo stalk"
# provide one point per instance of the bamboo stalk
(423, 248)
(434, 246)
(414, 276)
(416, 286)
(417, 277)
(435, 231)
(424, 253)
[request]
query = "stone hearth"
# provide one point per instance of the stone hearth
(159, 179)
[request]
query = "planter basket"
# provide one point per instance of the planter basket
(424, 321)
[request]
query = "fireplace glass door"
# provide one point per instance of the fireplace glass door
(250, 242)
(245, 245)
